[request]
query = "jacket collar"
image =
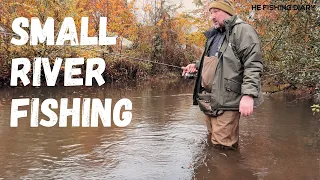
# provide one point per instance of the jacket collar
(210, 32)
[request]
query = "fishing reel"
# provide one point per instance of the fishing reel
(190, 75)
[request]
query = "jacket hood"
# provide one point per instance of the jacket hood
(229, 23)
(232, 21)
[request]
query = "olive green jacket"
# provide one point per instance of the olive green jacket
(239, 68)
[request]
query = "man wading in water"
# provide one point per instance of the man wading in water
(229, 74)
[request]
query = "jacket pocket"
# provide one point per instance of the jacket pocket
(204, 102)
(232, 93)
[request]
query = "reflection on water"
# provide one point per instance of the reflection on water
(165, 140)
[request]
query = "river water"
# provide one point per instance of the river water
(166, 139)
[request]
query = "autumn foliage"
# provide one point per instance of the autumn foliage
(159, 31)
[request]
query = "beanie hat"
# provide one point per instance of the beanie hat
(224, 5)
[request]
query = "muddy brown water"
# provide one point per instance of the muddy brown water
(166, 139)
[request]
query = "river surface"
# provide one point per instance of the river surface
(166, 139)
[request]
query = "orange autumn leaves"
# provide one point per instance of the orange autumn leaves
(119, 13)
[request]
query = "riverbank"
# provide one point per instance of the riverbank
(135, 76)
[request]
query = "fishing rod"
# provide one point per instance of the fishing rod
(187, 75)
(130, 57)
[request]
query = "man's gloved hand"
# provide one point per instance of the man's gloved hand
(190, 68)
(246, 106)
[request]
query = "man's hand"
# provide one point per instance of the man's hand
(246, 106)
(191, 68)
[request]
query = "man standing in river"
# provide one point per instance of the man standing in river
(229, 74)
